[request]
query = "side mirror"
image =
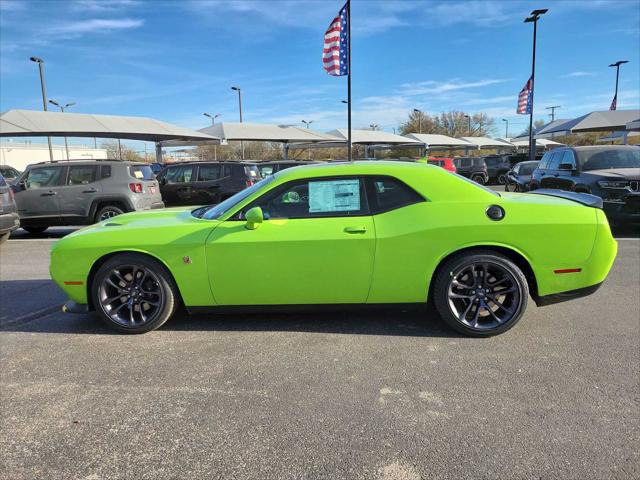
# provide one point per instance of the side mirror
(566, 166)
(254, 218)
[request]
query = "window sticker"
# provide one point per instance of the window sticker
(334, 196)
(138, 174)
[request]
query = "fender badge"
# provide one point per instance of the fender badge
(186, 259)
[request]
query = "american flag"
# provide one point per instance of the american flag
(614, 102)
(524, 98)
(336, 43)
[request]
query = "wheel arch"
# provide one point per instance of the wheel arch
(101, 202)
(513, 254)
(101, 261)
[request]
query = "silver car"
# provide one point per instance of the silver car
(83, 192)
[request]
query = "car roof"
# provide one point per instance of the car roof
(366, 167)
(602, 147)
(88, 161)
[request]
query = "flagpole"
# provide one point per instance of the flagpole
(349, 146)
(532, 147)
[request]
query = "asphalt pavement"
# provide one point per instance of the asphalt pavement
(383, 395)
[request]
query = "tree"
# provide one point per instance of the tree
(128, 154)
(453, 124)
(536, 126)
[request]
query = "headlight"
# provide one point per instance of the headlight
(613, 184)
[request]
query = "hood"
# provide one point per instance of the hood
(625, 173)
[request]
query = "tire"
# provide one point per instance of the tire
(471, 300)
(107, 212)
(506, 187)
(479, 179)
(121, 305)
(35, 230)
(502, 179)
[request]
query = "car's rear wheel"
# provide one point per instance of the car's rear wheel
(502, 179)
(480, 293)
(35, 230)
(107, 212)
(478, 179)
(134, 293)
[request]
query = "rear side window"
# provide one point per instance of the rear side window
(206, 173)
(266, 170)
(387, 193)
(82, 174)
(179, 174)
(105, 171)
(141, 172)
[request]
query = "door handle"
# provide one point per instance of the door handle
(93, 190)
(355, 229)
(48, 194)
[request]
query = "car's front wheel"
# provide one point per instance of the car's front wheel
(481, 293)
(479, 179)
(134, 293)
(502, 179)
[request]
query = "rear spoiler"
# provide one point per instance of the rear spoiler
(583, 198)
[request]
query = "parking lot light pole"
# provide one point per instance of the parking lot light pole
(614, 104)
(213, 122)
(533, 18)
(419, 113)
(62, 108)
(506, 128)
(468, 123)
(307, 123)
(239, 90)
(40, 63)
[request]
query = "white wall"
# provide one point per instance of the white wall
(20, 154)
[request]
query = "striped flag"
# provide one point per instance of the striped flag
(524, 98)
(336, 45)
(614, 102)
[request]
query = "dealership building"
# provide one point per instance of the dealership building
(19, 154)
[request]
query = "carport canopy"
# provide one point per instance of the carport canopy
(432, 140)
(603, 121)
(486, 142)
(368, 138)
(540, 142)
(33, 123)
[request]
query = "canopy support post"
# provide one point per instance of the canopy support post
(158, 152)
(285, 151)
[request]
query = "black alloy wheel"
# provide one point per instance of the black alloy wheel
(480, 294)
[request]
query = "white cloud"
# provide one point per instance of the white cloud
(95, 25)
(434, 87)
(578, 74)
(104, 5)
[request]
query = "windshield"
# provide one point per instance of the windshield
(214, 212)
(527, 168)
(612, 158)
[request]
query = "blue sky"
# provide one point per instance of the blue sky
(174, 60)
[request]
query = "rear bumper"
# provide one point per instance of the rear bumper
(9, 222)
(566, 296)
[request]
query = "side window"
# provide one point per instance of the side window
(266, 170)
(387, 193)
(105, 171)
(43, 177)
(226, 170)
(569, 158)
(207, 173)
(554, 163)
(332, 197)
(179, 174)
(82, 174)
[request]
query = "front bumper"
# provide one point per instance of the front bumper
(9, 222)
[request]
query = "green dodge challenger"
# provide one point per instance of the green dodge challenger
(343, 234)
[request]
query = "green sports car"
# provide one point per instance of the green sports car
(336, 234)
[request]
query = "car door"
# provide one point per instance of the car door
(315, 246)
(206, 188)
(176, 187)
(78, 192)
(566, 174)
(37, 193)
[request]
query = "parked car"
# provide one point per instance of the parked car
(9, 173)
(204, 183)
(351, 233)
(83, 192)
(269, 168)
(611, 172)
(446, 163)
(9, 219)
(473, 168)
(497, 168)
(156, 167)
(519, 177)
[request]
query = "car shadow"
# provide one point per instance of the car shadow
(626, 231)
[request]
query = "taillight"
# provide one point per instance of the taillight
(136, 187)
(250, 183)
